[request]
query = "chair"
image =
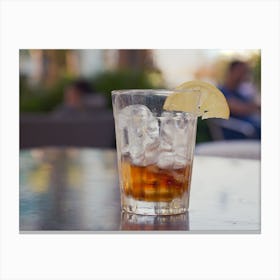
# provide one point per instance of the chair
(235, 128)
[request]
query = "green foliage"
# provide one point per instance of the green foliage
(257, 71)
(123, 79)
(40, 98)
(107, 81)
(203, 134)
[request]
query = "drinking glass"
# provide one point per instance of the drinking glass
(155, 152)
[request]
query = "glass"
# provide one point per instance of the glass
(155, 152)
(146, 223)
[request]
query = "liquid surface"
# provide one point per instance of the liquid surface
(151, 183)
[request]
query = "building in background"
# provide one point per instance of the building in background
(176, 66)
(46, 66)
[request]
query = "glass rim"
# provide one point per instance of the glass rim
(164, 92)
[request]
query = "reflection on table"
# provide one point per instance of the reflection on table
(77, 190)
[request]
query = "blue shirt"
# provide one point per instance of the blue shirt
(236, 95)
(252, 119)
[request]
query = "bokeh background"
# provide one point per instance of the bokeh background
(65, 95)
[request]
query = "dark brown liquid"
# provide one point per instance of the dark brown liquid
(151, 183)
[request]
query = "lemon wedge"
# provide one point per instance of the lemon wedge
(200, 98)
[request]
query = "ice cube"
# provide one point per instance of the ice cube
(173, 129)
(151, 155)
(165, 160)
(166, 131)
(175, 134)
(179, 161)
(139, 134)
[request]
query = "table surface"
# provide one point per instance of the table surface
(76, 190)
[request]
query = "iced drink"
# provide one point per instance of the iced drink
(155, 152)
(155, 134)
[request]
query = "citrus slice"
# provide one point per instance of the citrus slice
(200, 98)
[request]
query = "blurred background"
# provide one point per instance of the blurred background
(65, 95)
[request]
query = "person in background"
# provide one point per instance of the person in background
(242, 102)
(73, 102)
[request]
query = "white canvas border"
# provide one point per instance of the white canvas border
(157, 24)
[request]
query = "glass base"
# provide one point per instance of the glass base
(156, 222)
(175, 207)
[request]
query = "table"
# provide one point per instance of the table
(76, 190)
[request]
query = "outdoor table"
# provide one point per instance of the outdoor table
(76, 190)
